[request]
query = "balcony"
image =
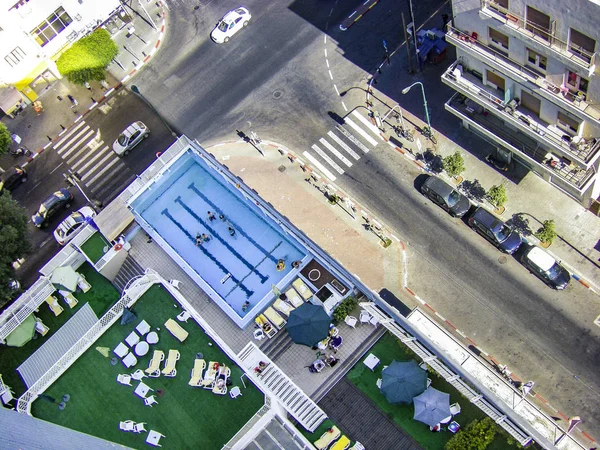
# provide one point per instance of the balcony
(571, 179)
(539, 39)
(556, 94)
(583, 153)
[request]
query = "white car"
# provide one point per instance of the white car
(231, 23)
(72, 224)
(130, 137)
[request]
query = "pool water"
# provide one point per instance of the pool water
(241, 268)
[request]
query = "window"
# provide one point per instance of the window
(530, 102)
(538, 23)
(494, 80)
(536, 60)
(51, 27)
(14, 57)
(576, 83)
(567, 123)
(498, 38)
(581, 45)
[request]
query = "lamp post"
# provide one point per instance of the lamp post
(135, 89)
(405, 91)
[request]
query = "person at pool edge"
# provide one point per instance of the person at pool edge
(245, 305)
(231, 231)
(198, 239)
(211, 216)
(296, 264)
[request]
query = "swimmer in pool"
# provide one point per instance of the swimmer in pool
(245, 306)
(198, 239)
(231, 231)
(205, 237)
(222, 217)
(211, 216)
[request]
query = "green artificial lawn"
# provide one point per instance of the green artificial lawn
(389, 348)
(101, 297)
(94, 247)
(189, 417)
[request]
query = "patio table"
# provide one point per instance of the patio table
(153, 438)
(371, 361)
(446, 420)
(141, 348)
(141, 390)
(152, 337)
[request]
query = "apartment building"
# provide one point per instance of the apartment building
(526, 81)
(33, 33)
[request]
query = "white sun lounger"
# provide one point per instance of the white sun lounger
(284, 307)
(293, 297)
(196, 376)
(153, 369)
(274, 318)
(69, 298)
(170, 370)
(302, 288)
(83, 284)
(176, 330)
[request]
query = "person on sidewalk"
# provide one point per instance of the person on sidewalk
(72, 100)
(87, 85)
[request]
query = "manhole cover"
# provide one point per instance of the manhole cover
(277, 94)
(502, 259)
(281, 168)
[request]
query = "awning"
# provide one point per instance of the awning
(9, 99)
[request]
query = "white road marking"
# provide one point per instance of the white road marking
(319, 166)
(108, 166)
(57, 167)
(335, 151)
(97, 166)
(59, 143)
(342, 144)
(368, 124)
(330, 75)
(76, 139)
(326, 157)
(96, 156)
(362, 132)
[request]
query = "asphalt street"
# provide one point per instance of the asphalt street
(274, 78)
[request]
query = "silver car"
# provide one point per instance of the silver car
(130, 137)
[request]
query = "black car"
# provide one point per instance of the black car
(546, 268)
(440, 192)
(495, 231)
(12, 177)
(58, 201)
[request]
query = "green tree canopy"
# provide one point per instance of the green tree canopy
(88, 58)
(5, 139)
(454, 164)
(14, 240)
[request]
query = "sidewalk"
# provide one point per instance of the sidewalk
(37, 131)
(530, 199)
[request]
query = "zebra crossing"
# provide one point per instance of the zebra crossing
(341, 148)
(85, 152)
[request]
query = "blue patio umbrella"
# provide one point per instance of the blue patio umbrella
(432, 406)
(308, 324)
(403, 381)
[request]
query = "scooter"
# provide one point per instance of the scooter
(15, 152)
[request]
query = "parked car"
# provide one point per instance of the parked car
(69, 227)
(231, 23)
(12, 177)
(495, 231)
(58, 201)
(440, 192)
(546, 268)
(130, 137)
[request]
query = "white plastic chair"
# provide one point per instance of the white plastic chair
(235, 392)
(455, 409)
(378, 382)
(351, 321)
(124, 379)
(149, 401)
(259, 334)
(138, 375)
(428, 382)
(175, 283)
(364, 317)
(139, 427)
(127, 425)
(183, 316)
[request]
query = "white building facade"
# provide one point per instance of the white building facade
(33, 33)
(526, 81)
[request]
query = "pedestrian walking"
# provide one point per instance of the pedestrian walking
(72, 100)
(87, 85)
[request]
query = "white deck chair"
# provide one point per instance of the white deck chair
(351, 321)
(175, 283)
(364, 317)
(124, 379)
(126, 425)
(149, 401)
(455, 409)
(138, 375)
(428, 382)
(183, 316)
(139, 427)
(235, 392)
(378, 382)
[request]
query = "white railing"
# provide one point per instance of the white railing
(247, 427)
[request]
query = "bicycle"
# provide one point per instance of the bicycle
(404, 133)
(428, 134)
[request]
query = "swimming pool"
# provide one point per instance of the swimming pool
(240, 268)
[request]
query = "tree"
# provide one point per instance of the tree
(478, 435)
(546, 233)
(497, 195)
(5, 139)
(14, 240)
(88, 58)
(454, 164)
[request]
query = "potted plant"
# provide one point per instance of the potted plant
(546, 233)
(454, 165)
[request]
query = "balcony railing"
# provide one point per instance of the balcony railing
(572, 52)
(469, 85)
(558, 94)
(576, 177)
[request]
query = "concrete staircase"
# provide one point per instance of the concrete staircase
(130, 269)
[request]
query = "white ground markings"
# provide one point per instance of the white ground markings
(91, 157)
(333, 150)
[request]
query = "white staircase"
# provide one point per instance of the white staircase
(273, 381)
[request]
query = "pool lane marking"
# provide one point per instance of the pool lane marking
(238, 229)
(165, 212)
(206, 225)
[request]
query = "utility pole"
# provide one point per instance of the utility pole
(73, 179)
(406, 39)
(414, 32)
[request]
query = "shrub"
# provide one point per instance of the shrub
(344, 308)
(454, 164)
(333, 199)
(5, 139)
(546, 232)
(386, 242)
(478, 435)
(88, 58)
(497, 195)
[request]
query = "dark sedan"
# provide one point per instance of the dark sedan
(440, 192)
(495, 231)
(58, 201)
(546, 268)
(12, 178)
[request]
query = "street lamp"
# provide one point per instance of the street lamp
(405, 90)
(135, 89)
